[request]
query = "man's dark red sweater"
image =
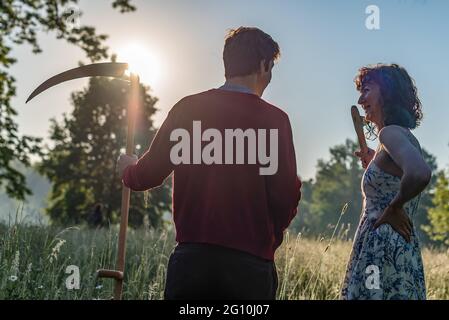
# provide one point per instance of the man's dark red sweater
(230, 205)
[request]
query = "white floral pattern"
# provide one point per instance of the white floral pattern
(399, 264)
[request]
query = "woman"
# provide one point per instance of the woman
(386, 261)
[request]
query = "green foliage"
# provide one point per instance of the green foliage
(426, 203)
(336, 183)
(86, 145)
(32, 206)
(20, 21)
(304, 219)
(438, 228)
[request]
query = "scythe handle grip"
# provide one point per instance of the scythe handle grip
(358, 126)
(104, 273)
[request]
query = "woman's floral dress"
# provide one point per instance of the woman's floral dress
(382, 264)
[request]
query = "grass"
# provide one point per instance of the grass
(33, 262)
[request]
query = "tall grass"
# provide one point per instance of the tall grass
(33, 262)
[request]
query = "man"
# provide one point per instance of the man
(229, 211)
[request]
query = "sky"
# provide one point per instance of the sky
(323, 43)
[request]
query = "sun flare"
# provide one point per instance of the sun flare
(142, 61)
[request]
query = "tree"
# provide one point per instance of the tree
(304, 220)
(87, 143)
(29, 209)
(20, 20)
(438, 228)
(425, 204)
(337, 182)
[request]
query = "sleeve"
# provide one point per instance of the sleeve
(155, 165)
(284, 187)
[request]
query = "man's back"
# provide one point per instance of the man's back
(234, 165)
(235, 186)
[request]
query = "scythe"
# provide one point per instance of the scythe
(358, 120)
(115, 70)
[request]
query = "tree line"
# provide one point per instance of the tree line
(80, 164)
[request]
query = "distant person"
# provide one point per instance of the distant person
(230, 205)
(386, 261)
(95, 218)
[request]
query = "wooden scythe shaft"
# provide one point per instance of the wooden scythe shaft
(133, 105)
(358, 126)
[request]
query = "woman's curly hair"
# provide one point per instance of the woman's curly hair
(401, 104)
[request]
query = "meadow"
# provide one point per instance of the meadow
(34, 261)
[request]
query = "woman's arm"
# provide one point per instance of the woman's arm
(416, 176)
(416, 173)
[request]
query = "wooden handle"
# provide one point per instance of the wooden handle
(104, 273)
(133, 105)
(358, 126)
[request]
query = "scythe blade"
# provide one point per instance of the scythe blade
(106, 69)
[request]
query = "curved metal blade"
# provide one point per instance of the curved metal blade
(106, 69)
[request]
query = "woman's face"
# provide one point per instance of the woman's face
(371, 102)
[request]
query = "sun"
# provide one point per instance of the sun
(142, 61)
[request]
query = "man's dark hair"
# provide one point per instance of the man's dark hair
(245, 48)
